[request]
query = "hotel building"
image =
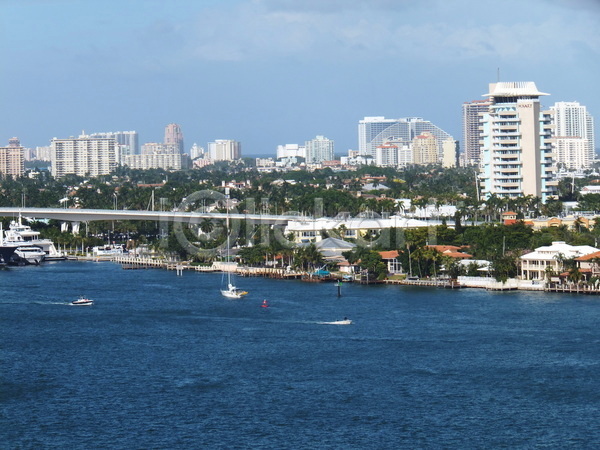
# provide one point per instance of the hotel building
(376, 131)
(516, 144)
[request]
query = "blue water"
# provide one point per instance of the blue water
(162, 361)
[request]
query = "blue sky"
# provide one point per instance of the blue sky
(269, 72)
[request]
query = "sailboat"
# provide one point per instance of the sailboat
(231, 291)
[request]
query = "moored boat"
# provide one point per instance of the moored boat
(29, 254)
(233, 292)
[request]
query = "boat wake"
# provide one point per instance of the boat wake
(337, 322)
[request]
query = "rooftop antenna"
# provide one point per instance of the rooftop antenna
(498, 75)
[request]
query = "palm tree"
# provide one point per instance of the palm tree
(342, 229)
(206, 226)
(549, 272)
(575, 275)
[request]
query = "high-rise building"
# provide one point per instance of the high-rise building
(386, 155)
(12, 161)
(158, 148)
(571, 153)
(572, 121)
(516, 143)
(224, 150)
(471, 115)
(196, 152)
(318, 150)
(174, 136)
(128, 140)
(450, 153)
(43, 153)
(291, 151)
(425, 149)
(375, 131)
(84, 156)
(166, 161)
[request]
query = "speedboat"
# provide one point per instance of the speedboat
(82, 301)
(233, 292)
(345, 321)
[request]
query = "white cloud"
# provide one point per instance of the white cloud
(266, 29)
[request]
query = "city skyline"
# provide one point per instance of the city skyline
(291, 71)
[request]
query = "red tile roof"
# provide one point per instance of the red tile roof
(588, 257)
(389, 254)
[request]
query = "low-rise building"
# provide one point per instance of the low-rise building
(451, 251)
(571, 222)
(390, 258)
(548, 259)
(589, 264)
(356, 228)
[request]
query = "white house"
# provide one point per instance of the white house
(533, 265)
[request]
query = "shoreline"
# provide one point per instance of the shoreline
(490, 284)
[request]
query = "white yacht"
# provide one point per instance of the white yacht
(108, 250)
(29, 254)
(32, 237)
(23, 252)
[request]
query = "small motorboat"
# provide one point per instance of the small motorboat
(82, 301)
(265, 304)
(345, 321)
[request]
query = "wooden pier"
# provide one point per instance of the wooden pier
(572, 289)
(445, 284)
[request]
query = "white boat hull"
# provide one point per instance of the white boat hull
(338, 322)
(30, 255)
(82, 302)
(233, 293)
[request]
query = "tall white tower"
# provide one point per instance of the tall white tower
(471, 115)
(573, 123)
(516, 143)
(319, 149)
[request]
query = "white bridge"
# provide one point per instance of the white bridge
(88, 215)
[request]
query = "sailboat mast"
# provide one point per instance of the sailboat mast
(227, 218)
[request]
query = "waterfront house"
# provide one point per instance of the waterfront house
(390, 258)
(332, 249)
(589, 264)
(534, 265)
(451, 250)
